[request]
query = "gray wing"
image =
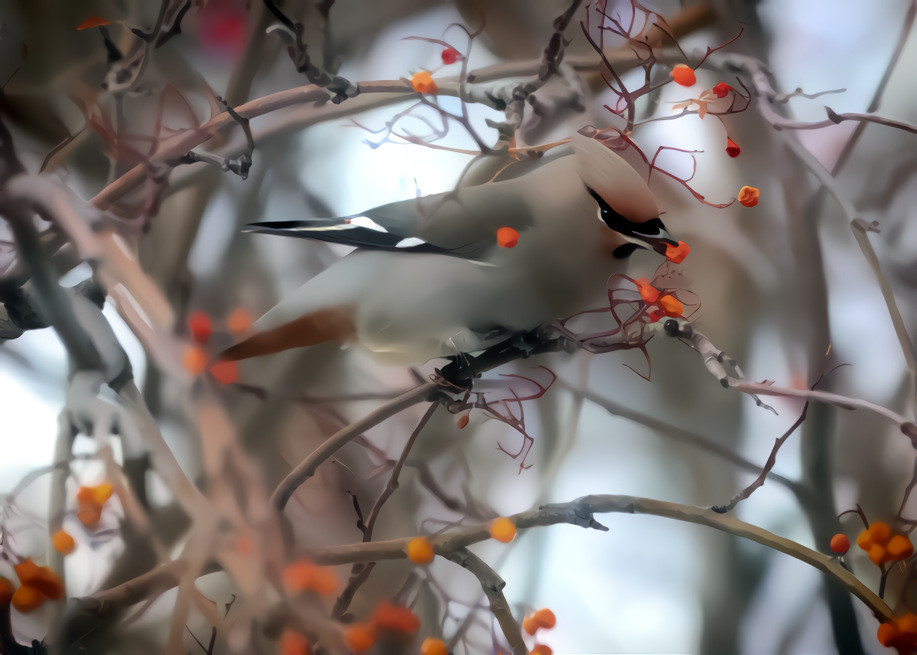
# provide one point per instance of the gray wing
(463, 223)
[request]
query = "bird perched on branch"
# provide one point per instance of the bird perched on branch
(460, 272)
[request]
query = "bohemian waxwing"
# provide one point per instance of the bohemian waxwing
(429, 279)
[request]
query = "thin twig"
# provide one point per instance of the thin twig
(493, 584)
(306, 469)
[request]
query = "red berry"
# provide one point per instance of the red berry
(732, 148)
(199, 324)
(840, 544)
(450, 56)
(721, 89)
(225, 372)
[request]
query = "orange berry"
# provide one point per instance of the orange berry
(293, 643)
(194, 360)
(648, 292)
(670, 305)
(899, 547)
(840, 544)
(541, 649)
(677, 254)
(545, 618)
(683, 75)
(877, 554)
(748, 196)
(225, 372)
(392, 618)
(422, 82)
(304, 575)
(433, 646)
(89, 516)
(41, 578)
(507, 237)
(887, 633)
(92, 21)
(239, 321)
(462, 422)
(90, 501)
(27, 598)
(359, 637)
(200, 326)
(97, 494)
(503, 529)
(420, 550)
(63, 542)
(908, 623)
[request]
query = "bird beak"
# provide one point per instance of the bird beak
(653, 235)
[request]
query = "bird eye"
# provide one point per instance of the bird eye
(609, 216)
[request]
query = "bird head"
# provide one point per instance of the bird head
(623, 200)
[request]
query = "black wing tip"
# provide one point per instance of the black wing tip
(288, 228)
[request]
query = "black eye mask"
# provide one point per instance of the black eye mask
(652, 232)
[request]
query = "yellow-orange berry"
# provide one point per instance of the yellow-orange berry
(432, 646)
(877, 554)
(683, 75)
(541, 649)
(359, 637)
(420, 550)
(422, 82)
(502, 529)
(63, 542)
(899, 547)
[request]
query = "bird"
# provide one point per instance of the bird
(449, 274)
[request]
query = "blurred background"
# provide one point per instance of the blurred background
(783, 287)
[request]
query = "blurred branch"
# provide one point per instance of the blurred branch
(580, 512)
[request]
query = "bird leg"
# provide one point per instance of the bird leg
(464, 368)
